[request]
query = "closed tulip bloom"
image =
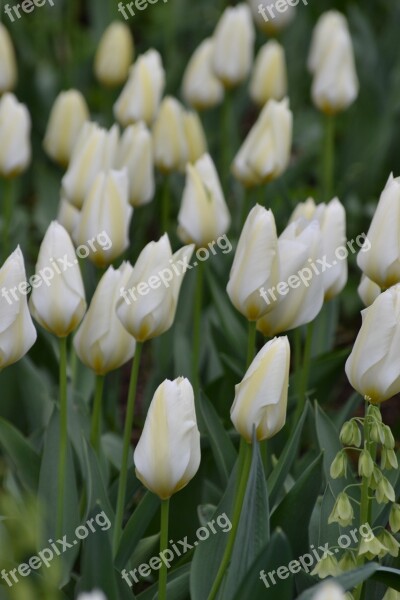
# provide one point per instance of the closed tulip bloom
(8, 62)
(201, 88)
(372, 365)
(106, 209)
(368, 290)
(114, 55)
(169, 137)
(67, 117)
(58, 300)
(94, 151)
(68, 216)
(335, 84)
(147, 307)
(136, 154)
(195, 136)
(17, 332)
(329, 591)
(233, 45)
(300, 291)
(101, 342)
(140, 98)
(261, 396)
(269, 79)
(168, 455)
(203, 216)
(380, 259)
(275, 22)
(332, 219)
(256, 264)
(15, 128)
(265, 153)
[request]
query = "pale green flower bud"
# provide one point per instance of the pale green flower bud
(391, 594)
(389, 439)
(394, 518)
(375, 478)
(371, 547)
(339, 465)
(389, 459)
(348, 561)
(342, 512)
(389, 542)
(377, 433)
(365, 464)
(384, 492)
(327, 566)
(350, 434)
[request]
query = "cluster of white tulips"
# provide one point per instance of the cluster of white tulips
(109, 174)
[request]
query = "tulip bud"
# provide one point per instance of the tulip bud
(106, 209)
(261, 396)
(94, 151)
(17, 332)
(271, 24)
(330, 590)
(394, 518)
(167, 456)
(332, 220)
(68, 216)
(201, 88)
(203, 216)
(67, 117)
(114, 55)
(350, 434)
(149, 309)
(372, 365)
(342, 512)
(101, 342)
(15, 128)
(58, 301)
(265, 153)
(328, 566)
(365, 464)
(136, 154)
(384, 492)
(140, 98)
(233, 45)
(195, 136)
(300, 292)
(169, 137)
(8, 62)
(380, 258)
(339, 465)
(368, 291)
(269, 79)
(371, 547)
(335, 85)
(256, 264)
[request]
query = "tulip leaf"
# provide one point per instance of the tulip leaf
(95, 489)
(276, 553)
(223, 450)
(253, 530)
(21, 454)
(136, 527)
(289, 453)
(304, 493)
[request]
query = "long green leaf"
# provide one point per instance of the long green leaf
(21, 454)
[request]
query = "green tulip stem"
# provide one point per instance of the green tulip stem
(245, 454)
(63, 436)
(8, 193)
(96, 414)
(198, 303)
(302, 376)
(165, 205)
(251, 343)
(130, 411)
(162, 581)
(329, 158)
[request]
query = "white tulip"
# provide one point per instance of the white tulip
(168, 456)
(114, 54)
(15, 128)
(261, 397)
(269, 78)
(196, 141)
(68, 216)
(136, 154)
(95, 595)
(269, 19)
(201, 88)
(204, 215)
(17, 332)
(8, 62)
(329, 591)
(368, 290)
(169, 137)
(58, 297)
